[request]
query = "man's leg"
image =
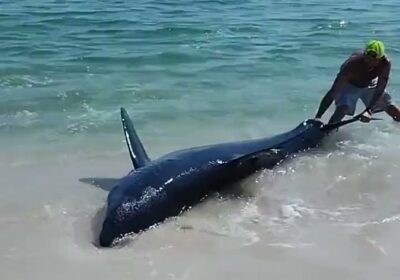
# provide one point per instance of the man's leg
(394, 112)
(340, 112)
(383, 104)
(345, 101)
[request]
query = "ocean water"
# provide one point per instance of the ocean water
(192, 73)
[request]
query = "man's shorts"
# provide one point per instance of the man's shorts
(350, 94)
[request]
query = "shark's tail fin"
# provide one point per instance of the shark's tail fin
(332, 126)
(136, 150)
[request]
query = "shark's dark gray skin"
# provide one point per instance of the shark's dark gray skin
(158, 189)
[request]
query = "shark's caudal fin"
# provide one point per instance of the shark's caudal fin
(136, 150)
(336, 125)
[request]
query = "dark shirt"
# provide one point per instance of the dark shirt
(360, 74)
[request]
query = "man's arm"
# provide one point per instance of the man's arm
(383, 79)
(330, 95)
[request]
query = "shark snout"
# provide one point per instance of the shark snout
(110, 231)
(107, 234)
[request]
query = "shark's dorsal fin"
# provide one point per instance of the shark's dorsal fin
(136, 150)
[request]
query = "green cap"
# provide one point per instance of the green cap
(377, 47)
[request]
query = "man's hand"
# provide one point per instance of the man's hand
(366, 116)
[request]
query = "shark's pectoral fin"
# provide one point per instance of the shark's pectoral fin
(136, 150)
(250, 163)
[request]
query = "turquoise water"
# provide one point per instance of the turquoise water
(67, 66)
(192, 73)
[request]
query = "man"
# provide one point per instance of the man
(363, 75)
